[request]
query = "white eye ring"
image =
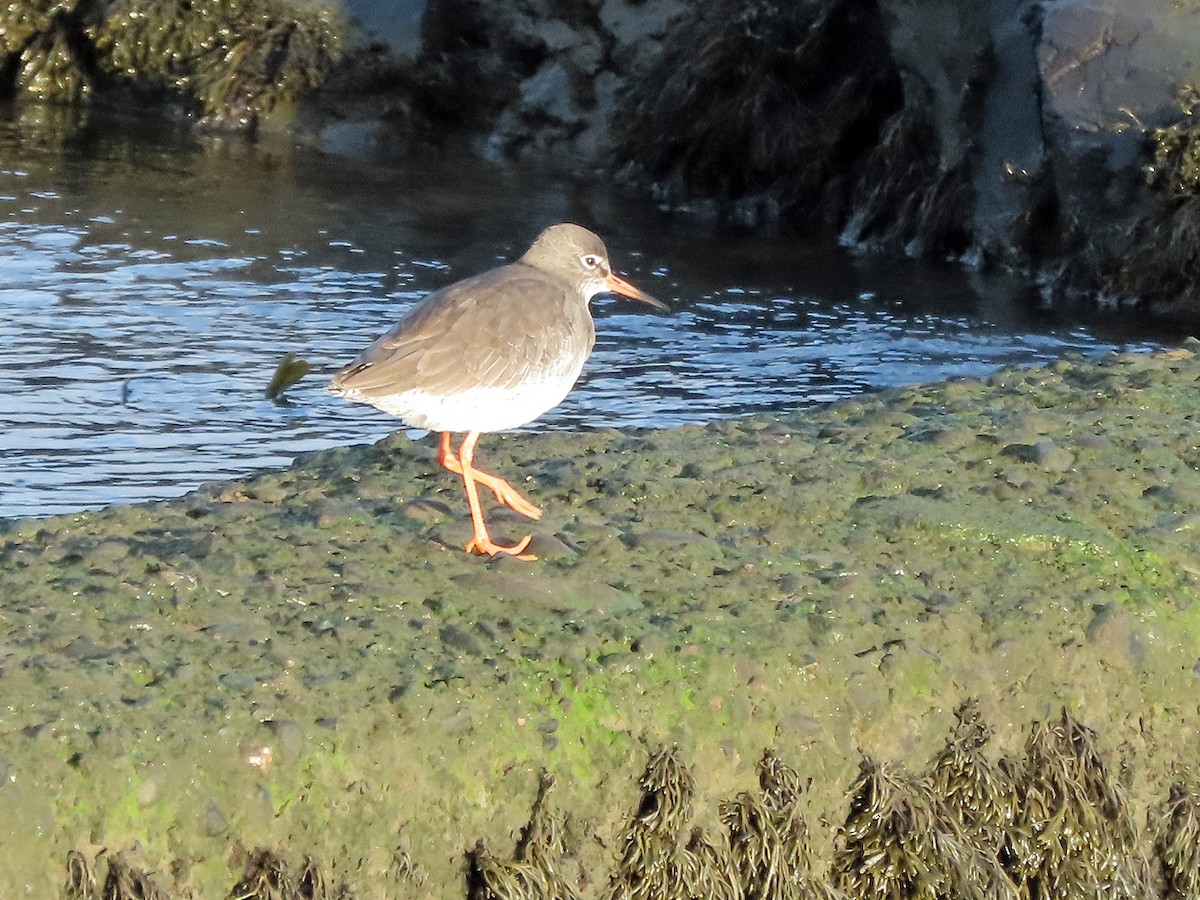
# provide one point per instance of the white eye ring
(590, 261)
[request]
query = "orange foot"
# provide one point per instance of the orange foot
(485, 546)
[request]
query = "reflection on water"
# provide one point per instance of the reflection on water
(150, 282)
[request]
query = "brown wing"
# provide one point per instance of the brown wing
(493, 330)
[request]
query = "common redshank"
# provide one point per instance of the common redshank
(489, 353)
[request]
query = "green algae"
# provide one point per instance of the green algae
(306, 659)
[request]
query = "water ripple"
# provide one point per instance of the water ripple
(146, 299)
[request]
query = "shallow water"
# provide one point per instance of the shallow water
(150, 281)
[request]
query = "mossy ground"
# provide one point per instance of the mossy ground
(307, 660)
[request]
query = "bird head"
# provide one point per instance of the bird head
(579, 257)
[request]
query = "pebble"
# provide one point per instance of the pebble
(287, 739)
(459, 641)
(213, 822)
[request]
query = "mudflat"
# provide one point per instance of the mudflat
(307, 660)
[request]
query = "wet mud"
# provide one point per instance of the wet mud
(306, 661)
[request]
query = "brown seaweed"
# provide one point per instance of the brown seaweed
(535, 871)
(1082, 841)
(899, 841)
(1175, 824)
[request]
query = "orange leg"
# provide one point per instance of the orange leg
(481, 542)
(504, 491)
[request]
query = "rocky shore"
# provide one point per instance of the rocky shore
(307, 661)
(1056, 139)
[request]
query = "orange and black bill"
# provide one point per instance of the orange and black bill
(619, 285)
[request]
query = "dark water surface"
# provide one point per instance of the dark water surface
(150, 281)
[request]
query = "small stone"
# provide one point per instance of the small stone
(426, 511)
(213, 822)
(1092, 441)
(458, 640)
(551, 547)
(83, 649)
(458, 722)
(1115, 630)
(649, 646)
(1047, 454)
(617, 660)
(288, 738)
(149, 790)
(658, 539)
(109, 551)
(1053, 458)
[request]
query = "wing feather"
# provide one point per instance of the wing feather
(498, 329)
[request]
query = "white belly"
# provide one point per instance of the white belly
(477, 409)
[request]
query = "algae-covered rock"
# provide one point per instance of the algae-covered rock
(306, 660)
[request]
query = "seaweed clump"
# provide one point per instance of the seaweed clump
(267, 876)
(1176, 827)
(534, 871)
(768, 838)
(748, 97)
(124, 881)
(657, 862)
(239, 60)
(1176, 148)
(1155, 260)
(976, 791)
(899, 841)
(233, 61)
(796, 110)
(1082, 841)
(45, 48)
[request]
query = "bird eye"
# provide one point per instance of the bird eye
(590, 261)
